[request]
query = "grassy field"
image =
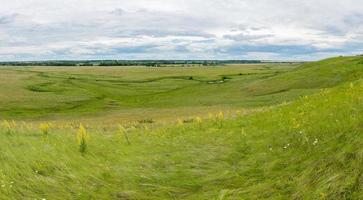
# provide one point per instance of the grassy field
(133, 93)
(262, 131)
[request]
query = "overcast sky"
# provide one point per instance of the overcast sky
(180, 29)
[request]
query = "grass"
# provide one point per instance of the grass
(305, 142)
(323, 74)
(67, 91)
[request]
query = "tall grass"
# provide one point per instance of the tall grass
(308, 149)
(82, 138)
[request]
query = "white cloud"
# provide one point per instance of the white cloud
(173, 29)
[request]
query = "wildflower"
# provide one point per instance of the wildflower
(44, 127)
(296, 123)
(220, 116)
(315, 142)
(13, 123)
(82, 137)
(198, 120)
(7, 126)
(238, 113)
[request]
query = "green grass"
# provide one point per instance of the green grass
(42, 92)
(309, 147)
(315, 75)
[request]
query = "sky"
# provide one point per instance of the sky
(179, 29)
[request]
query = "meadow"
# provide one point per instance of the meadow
(134, 93)
(253, 131)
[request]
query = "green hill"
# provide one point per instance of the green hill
(315, 75)
(310, 148)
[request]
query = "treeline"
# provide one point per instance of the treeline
(150, 63)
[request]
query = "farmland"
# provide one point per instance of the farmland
(246, 131)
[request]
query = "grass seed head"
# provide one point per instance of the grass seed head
(198, 120)
(220, 116)
(82, 137)
(44, 127)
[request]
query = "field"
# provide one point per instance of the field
(253, 131)
(131, 93)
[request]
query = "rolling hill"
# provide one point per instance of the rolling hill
(305, 142)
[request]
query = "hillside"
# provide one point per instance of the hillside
(315, 75)
(309, 148)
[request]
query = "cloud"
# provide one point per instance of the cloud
(192, 29)
(5, 19)
(118, 11)
(246, 37)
